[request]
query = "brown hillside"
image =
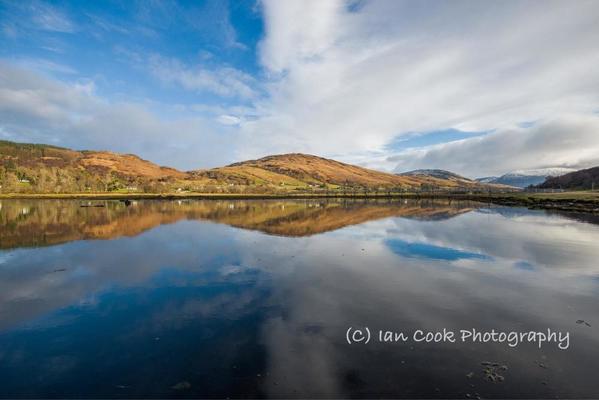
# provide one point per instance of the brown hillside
(37, 168)
(126, 164)
(296, 169)
(318, 170)
(33, 168)
(38, 155)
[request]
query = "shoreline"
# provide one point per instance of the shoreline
(582, 201)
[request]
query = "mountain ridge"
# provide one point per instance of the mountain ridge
(583, 179)
(525, 178)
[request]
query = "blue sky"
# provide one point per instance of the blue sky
(111, 42)
(393, 85)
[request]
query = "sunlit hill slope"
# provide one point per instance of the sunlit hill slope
(34, 168)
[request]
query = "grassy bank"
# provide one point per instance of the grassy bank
(580, 201)
(585, 201)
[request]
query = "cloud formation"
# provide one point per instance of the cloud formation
(37, 109)
(49, 18)
(568, 141)
(20, 17)
(351, 78)
(223, 81)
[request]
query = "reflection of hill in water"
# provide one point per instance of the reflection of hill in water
(47, 222)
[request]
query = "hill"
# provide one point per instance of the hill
(525, 178)
(439, 174)
(584, 179)
(298, 169)
(44, 168)
(35, 168)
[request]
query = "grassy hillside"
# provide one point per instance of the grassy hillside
(300, 171)
(34, 168)
(584, 179)
(440, 174)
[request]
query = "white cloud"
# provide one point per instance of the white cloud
(229, 120)
(37, 109)
(50, 18)
(298, 31)
(346, 81)
(567, 141)
(223, 81)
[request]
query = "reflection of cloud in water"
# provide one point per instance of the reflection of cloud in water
(549, 241)
(522, 271)
(380, 290)
(37, 280)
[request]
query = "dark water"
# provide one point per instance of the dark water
(254, 299)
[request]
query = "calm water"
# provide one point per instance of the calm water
(254, 299)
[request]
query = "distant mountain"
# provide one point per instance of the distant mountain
(524, 178)
(577, 180)
(439, 174)
(38, 168)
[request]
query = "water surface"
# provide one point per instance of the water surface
(254, 298)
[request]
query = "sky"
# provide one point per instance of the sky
(478, 88)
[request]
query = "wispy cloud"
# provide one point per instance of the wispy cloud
(44, 66)
(106, 25)
(221, 80)
(20, 19)
(50, 18)
(9, 30)
(212, 18)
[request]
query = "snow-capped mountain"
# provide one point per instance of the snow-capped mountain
(554, 171)
(526, 177)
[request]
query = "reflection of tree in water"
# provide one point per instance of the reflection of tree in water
(38, 223)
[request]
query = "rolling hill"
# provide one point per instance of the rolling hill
(307, 169)
(304, 170)
(583, 179)
(44, 168)
(35, 168)
(439, 174)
